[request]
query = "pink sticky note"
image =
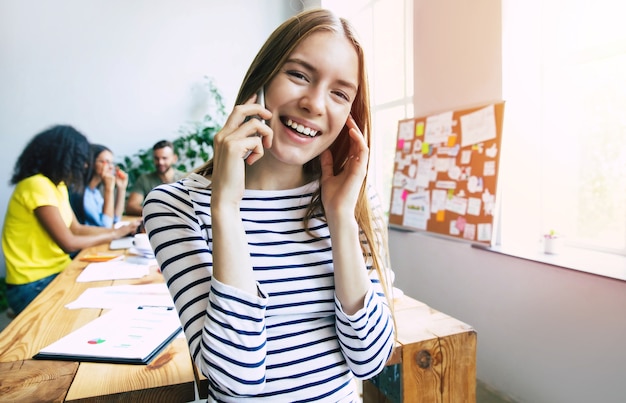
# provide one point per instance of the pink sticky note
(400, 144)
(460, 223)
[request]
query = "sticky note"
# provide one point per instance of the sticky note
(441, 216)
(419, 129)
(400, 144)
(460, 223)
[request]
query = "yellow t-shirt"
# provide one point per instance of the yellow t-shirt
(29, 251)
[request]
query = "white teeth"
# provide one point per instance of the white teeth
(301, 128)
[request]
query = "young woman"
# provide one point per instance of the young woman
(101, 202)
(40, 229)
(275, 261)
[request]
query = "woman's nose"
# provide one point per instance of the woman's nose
(313, 101)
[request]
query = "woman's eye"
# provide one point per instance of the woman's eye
(342, 95)
(297, 74)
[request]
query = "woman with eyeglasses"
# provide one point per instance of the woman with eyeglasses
(101, 203)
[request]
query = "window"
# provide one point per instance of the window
(564, 143)
(386, 32)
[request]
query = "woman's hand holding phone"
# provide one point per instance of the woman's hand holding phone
(241, 136)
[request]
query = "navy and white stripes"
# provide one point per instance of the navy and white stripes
(291, 342)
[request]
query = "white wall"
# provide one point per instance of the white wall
(122, 72)
(545, 334)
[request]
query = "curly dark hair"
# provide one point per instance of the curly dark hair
(61, 153)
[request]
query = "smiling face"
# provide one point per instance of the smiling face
(311, 97)
(164, 158)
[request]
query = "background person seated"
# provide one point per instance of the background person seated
(101, 203)
(40, 228)
(164, 160)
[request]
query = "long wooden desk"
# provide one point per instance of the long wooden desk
(168, 378)
(435, 360)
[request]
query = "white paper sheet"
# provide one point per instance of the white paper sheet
(114, 270)
(118, 296)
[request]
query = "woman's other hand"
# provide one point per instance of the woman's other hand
(121, 178)
(340, 192)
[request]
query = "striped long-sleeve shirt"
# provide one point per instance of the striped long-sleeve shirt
(290, 342)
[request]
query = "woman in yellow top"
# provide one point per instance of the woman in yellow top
(40, 228)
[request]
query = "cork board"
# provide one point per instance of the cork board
(446, 172)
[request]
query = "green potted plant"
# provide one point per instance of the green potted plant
(194, 144)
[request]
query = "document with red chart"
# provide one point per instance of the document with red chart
(126, 336)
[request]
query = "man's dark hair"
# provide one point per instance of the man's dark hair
(163, 144)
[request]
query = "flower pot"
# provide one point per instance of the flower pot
(552, 246)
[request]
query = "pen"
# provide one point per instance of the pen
(167, 308)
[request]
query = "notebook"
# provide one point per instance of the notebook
(123, 335)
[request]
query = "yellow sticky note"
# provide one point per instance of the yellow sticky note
(451, 141)
(425, 148)
(441, 216)
(419, 129)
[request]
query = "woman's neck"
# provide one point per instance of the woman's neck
(94, 182)
(265, 176)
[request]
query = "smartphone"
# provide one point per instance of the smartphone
(260, 99)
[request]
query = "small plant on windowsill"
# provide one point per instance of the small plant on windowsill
(194, 144)
(551, 235)
(552, 242)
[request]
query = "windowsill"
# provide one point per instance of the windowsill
(592, 262)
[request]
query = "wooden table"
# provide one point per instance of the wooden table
(168, 378)
(435, 358)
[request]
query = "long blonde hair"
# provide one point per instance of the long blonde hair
(267, 63)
